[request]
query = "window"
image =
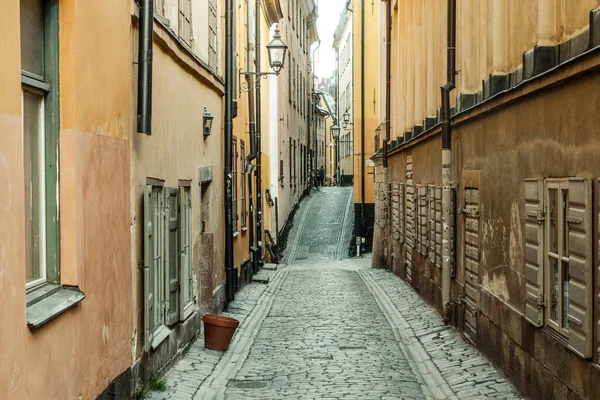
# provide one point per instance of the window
(168, 281)
(234, 212)
(558, 259)
(212, 35)
(185, 21)
(290, 164)
(159, 7)
(39, 77)
(243, 183)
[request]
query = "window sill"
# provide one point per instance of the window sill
(244, 229)
(556, 336)
(46, 302)
(235, 234)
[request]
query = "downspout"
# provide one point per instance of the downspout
(337, 119)
(325, 143)
(448, 226)
(229, 80)
(251, 122)
(314, 112)
(258, 142)
(388, 79)
(249, 79)
(144, 105)
(362, 120)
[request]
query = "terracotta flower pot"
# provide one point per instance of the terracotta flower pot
(218, 331)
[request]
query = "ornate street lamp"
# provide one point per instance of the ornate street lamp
(277, 52)
(335, 132)
(207, 120)
(346, 119)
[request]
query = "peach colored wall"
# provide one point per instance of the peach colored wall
(82, 350)
(371, 51)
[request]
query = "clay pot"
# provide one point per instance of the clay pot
(218, 331)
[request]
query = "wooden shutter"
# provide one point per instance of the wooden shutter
(149, 264)
(185, 244)
(534, 251)
(579, 228)
(401, 212)
(431, 222)
(438, 226)
(172, 256)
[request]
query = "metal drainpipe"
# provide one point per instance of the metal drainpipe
(337, 120)
(362, 121)
(388, 79)
(229, 80)
(251, 123)
(314, 112)
(258, 141)
(144, 100)
(447, 233)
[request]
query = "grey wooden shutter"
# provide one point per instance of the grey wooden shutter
(579, 222)
(185, 243)
(149, 271)
(438, 226)
(534, 251)
(431, 222)
(401, 212)
(172, 257)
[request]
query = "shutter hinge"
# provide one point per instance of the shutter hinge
(469, 212)
(142, 265)
(537, 215)
(539, 299)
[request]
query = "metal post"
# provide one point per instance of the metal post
(362, 121)
(258, 140)
(229, 95)
(448, 226)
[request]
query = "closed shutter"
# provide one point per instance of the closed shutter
(534, 251)
(185, 242)
(438, 226)
(401, 212)
(172, 256)
(431, 222)
(154, 330)
(149, 270)
(579, 222)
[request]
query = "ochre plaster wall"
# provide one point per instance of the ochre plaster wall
(82, 350)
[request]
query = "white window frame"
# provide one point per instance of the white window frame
(560, 186)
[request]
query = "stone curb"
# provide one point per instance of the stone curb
(416, 354)
(214, 387)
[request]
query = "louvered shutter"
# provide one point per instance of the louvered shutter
(401, 213)
(534, 251)
(431, 222)
(185, 242)
(579, 223)
(172, 256)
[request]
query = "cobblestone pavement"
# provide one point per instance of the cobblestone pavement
(325, 328)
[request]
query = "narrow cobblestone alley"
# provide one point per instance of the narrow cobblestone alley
(326, 327)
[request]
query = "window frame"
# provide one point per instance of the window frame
(560, 186)
(243, 184)
(234, 173)
(49, 86)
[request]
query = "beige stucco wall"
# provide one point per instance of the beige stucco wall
(175, 151)
(89, 345)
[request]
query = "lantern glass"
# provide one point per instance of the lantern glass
(277, 52)
(346, 117)
(335, 132)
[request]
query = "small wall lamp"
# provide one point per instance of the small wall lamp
(207, 120)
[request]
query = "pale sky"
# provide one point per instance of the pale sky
(329, 15)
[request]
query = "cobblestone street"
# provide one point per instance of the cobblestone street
(327, 327)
